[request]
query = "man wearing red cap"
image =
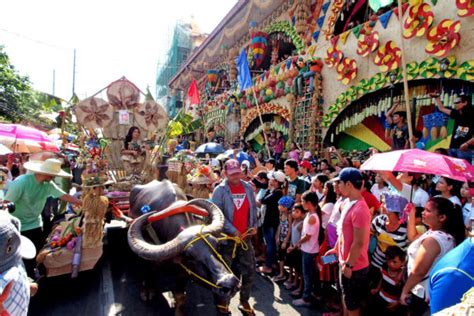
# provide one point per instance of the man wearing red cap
(236, 199)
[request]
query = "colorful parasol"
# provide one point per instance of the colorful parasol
(443, 38)
(23, 139)
(420, 161)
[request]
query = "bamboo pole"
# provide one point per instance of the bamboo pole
(404, 72)
(261, 122)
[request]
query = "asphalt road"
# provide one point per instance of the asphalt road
(112, 288)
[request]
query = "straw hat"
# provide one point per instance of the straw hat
(50, 167)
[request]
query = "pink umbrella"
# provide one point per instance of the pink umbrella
(420, 161)
(23, 139)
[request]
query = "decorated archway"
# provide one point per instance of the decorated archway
(362, 124)
(271, 123)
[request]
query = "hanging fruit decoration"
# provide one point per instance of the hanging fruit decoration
(466, 70)
(334, 56)
(465, 7)
(347, 70)
(443, 38)
(419, 19)
(367, 43)
(388, 57)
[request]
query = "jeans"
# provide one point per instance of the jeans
(457, 153)
(309, 267)
(269, 237)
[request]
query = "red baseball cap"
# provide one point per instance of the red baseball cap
(305, 164)
(232, 166)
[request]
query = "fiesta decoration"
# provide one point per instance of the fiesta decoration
(465, 7)
(451, 69)
(388, 57)
(94, 113)
(334, 56)
(336, 8)
(429, 68)
(443, 38)
(466, 70)
(367, 43)
(419, 19)
(212, 77)
(259, 43)
(413, 69)
(347, 70)
(123, 94)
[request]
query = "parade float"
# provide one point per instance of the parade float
(325, 72)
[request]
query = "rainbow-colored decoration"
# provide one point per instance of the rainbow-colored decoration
(371, 133)
(259, 46)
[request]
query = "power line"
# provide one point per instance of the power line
(19, 35)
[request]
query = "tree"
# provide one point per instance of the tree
(16, 94)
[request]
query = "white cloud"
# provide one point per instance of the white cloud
(112, 38)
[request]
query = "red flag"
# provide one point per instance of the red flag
(193, 99)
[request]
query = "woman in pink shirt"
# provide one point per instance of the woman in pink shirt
(294, 152)
(279, 146)
(309, 245)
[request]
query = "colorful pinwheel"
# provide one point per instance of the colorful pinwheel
(419, 19)
(465, 7)
(377, 82)
(367, 43)
(429, 68)
(333, 56)
(443, 38)
(363, 87)
(347, 70)
(466, 70)
(388, 57)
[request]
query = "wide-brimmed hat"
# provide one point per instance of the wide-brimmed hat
(13, 246)
(50, 167)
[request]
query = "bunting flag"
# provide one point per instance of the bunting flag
(344, 36)
(356, 30)
(334, 40)
(193, 100)
(325, 6)
(321, 21)
(244, 77)
(375, 5)
(316, 35)
(385, 18)
(404, 9)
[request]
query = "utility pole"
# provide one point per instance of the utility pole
(54, 81)
(74, 73)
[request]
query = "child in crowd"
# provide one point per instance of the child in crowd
(387, 294)
(283, 234)
(295, 281)
(309, 246)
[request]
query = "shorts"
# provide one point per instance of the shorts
(355, 289)
(293, 259)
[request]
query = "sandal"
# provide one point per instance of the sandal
(223, 309)
(246, 311)
(278, 278)
(296, 293)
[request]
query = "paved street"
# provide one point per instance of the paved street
(112, 288)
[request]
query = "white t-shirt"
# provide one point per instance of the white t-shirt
(326, 211)
(467, 214)
(419, 197)
(378, 192)
(455, 200)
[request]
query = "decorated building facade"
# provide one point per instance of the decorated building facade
(326, 72)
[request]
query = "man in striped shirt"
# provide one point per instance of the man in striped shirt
(389, 232)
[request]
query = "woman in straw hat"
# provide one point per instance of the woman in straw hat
(29, 192)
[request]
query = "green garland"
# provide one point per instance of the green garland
(286, 28)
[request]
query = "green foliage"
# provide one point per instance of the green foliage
(16, 94)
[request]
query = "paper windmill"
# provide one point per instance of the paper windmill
(367, 43)
(429, 68)
(347, 70)
(388, 57)
(419, 19)
(466, 70)
(443, 38)
(465, 7)
(412, 70)
(333, 56)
